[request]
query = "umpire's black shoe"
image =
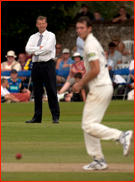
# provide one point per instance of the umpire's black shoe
(55, 121)
(33, 121)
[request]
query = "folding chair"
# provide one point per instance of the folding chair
(120, 66)
(5, 73)
(122, 72)
(130, 45)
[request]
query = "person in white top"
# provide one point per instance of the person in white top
(10, 64)
(41, 46)
(98, 99)
(5, 94)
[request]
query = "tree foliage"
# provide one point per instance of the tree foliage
(18, 18)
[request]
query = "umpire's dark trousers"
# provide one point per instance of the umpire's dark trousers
(44, 72)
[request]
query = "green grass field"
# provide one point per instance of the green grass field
(60, 143)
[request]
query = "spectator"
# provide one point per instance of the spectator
(97, 16)
(121, 16)
(78, 66)
(84, 11)
(64, 64)
(11, 63)
(114, 55)
(58, 56)
(28, 65)
(79, 96)
(27, 55)
(22, 59)
(15, 87)
(120, 46)
(110, 63)
(80, 45)
(131, 86)
(74, 49)
(5, 94)
(58, 51)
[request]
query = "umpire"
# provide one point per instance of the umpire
(41, 46)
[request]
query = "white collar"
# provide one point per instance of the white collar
(90, 36)
(44, 33)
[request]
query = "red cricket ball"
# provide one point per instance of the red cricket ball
(18, 156)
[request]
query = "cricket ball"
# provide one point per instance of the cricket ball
(18, 156)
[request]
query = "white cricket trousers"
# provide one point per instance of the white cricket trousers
(96, 104)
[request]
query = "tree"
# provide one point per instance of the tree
(18, 19)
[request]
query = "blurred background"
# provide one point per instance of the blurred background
(18, 19)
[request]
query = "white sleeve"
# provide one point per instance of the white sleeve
(91, 52)
(4, 91)
(29, 47)
(48, 47)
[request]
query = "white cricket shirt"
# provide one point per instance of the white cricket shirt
(47, 52)
(94, 51)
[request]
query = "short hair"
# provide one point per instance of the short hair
(97, 12)
(85, 19)
(106, 51)
(116, 37)
(122, 7)
(3, 80)
(78, 75)
(41, 18)
(84, 5)
(112, 44)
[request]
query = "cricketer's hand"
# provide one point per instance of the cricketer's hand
(76, 87)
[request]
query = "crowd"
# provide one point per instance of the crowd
(71, 61)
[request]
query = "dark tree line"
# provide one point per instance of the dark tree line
(18, 21)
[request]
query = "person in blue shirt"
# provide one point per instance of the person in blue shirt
(15, 87)
(65, 64)
(97, 16)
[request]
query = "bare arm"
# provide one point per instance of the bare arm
(11, 97)
(83, 94)
(116, 19)
(95, 69)
(119, 62)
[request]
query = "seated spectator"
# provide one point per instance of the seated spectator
(5, 94)
(73, 50)
(22, 59)
(120, 46)
(121, 16)
(80, 45)
(77, 67)
(28, 65)
(58, 51)
(131, 86)
(114, 55)
(27, 55)
(80, 96)
(11, 63)
(97, 16)
(16, 88)
(58, 57)
(110, 63)
(64, 64)
(84, 11)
